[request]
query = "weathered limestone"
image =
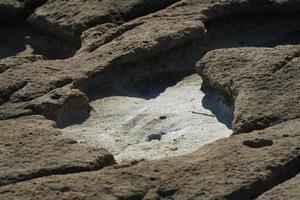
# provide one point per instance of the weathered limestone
(30, 148)
(287, 190)
(119, 42)
(263, 83)
(226, 169)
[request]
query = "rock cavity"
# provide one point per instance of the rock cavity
(134, 126)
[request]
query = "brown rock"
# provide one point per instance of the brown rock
(63, 106)
(51, 17)
(226, 169)
(121, 43)
(30, 148)
(287, 190)
(263, 83)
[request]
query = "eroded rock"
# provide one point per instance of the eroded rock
(258, 143)
(225, 169)
(63, 106)
(263, 83)
(51, 17)
(30, 148)
(287, 190)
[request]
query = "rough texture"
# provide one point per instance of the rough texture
(30, 147)
(263, 83)
(82, 15)
(144, 121)
(64, 106)
(250, 63)
(226, 169)
(287, 190)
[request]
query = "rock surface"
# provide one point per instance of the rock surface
(127, 123)
(251, 61)
(263, 83)
(226, 169)
(81, 15)
(286, 190)
(31, 147)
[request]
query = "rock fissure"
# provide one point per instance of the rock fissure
(279, 174)
(286, 62)
(96, 165)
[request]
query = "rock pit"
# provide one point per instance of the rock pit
(84, 84)
(172, 116)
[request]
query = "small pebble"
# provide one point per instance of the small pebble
(154, 136)
(163, 117)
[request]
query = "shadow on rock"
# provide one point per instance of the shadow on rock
(21, 40)
(219, 106)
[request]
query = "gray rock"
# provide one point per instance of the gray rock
(154, 136)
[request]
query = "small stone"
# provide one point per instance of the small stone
(163, 117)
(154, 136)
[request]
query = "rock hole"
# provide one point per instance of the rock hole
(164, 193)
(56, 96)
(258, 143)
(132, 97)
(151, 118)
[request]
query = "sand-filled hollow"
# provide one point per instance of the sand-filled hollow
(134, 126)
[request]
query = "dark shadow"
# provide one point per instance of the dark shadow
(150, 88)
(246, 31)
(12, 41)
(222, 109)
(20, 40)
(77, 116)
(259, 30)
(145, 88)
(292, 38)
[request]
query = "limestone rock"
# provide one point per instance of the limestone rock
(287, 190)
(30, 148)
(10, 62)
(263, 83)
(63, 106)
(121, 42)
(52, 17)
(226, 169)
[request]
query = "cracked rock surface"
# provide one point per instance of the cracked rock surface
(70, 64)
(264, 83)
(31, 148)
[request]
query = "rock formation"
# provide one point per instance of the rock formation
(66, 54)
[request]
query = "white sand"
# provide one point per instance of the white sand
(121, 124)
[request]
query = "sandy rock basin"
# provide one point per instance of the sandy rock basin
(139, 128)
